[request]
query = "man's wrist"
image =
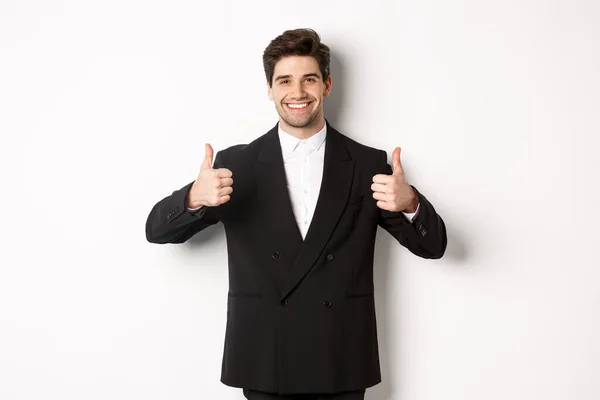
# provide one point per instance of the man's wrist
(414, 203)
(188, 202)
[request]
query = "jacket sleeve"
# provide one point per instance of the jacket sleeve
(425, 236)
(170, 221)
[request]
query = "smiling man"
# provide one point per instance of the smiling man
(300, 219)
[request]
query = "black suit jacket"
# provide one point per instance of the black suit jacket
(300, 313)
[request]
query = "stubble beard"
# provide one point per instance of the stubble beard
(298, 121)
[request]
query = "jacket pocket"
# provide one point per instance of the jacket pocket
(244, 294)
(355, 295)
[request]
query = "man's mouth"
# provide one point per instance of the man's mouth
(298, 106)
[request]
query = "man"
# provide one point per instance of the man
(300, 206)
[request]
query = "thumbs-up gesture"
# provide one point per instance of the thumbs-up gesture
(212, 186)
(393, 191)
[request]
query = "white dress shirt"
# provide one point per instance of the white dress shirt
(303, 161)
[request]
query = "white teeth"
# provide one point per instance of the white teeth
(297, 105)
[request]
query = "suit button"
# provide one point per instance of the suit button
(284, 302)
(329, 257)
(327, 304)
(275, 255)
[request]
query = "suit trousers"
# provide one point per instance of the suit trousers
(257, 395)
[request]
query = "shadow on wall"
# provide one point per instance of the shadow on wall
(334, 103)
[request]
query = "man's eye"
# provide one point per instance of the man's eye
(283, 81)
(310, 79)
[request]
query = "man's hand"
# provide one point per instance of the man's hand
(212, 186)
(393, 191)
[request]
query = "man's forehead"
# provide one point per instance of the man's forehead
(304, 63)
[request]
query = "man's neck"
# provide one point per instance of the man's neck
(305, 132)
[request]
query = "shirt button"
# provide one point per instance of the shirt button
(327, 304)
(284, 302)
(275, 255)
(305, 222)
(329, 257)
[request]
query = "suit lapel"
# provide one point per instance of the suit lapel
(338, 169)
(272, 186)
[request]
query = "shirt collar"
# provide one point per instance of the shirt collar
(289, 142)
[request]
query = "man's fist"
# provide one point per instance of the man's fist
(212, 186)
(393, 191)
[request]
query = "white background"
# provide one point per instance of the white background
(105, 108)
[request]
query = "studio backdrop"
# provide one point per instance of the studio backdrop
(105, 108)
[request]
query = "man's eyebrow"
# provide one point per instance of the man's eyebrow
(312, 74)
(304, 76)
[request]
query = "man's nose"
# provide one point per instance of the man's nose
(298, 91)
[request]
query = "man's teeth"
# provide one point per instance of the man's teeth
(297, 105)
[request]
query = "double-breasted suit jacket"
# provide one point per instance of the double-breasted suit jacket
(300, 313)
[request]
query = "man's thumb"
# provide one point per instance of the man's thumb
(208, 158)
(396, 161)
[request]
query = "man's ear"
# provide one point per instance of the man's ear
(270, 91)
(327, 83)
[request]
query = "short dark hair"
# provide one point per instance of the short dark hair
(296, 42)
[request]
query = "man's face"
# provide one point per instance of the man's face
(298, 91)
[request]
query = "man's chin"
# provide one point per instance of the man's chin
(299, 122)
